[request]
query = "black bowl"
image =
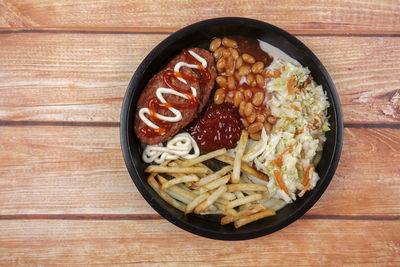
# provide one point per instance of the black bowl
(199, 35)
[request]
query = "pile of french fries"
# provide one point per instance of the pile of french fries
(227, 192)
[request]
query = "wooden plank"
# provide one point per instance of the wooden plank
(305, 242)
(80, 170)
(355, 16)
(83, 77)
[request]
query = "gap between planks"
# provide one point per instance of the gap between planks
(141, 217)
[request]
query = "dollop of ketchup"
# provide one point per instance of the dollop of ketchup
(217, 127)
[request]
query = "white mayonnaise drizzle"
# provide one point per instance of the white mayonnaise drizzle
(178, 147)
(162, 90)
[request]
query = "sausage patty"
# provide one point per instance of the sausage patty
(203, 93)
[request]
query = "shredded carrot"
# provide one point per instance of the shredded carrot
(290, 86)
(307, 82)
(306, 179)
(299, 132)
(316, 121)
(280, 181)
(274, 74)
(295, 107)
(278, 162)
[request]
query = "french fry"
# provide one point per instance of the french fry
(177, 192)
(179, 180)
(244, 187)
(231, 218)
(244, 167)
(167, 169)
(154, 184)
(238, 194)
(204, 166)
(222, 201)
(243, 200)
(231, 212)
(177, 196)
(253, 217)
(210, 155)
(220, 207)
(238, 157)
(195, 202)
(213, 176)
(179, 162)
(228, 196)
(210, 200)
(216, 183)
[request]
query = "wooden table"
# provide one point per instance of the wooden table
(65, 194)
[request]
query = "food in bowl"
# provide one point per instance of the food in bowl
(264, 126)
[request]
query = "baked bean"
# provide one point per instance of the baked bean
(226, 53)
(239, 62)
(234, 53)
(251, 118)
(215, 44)
(255, 136)
(218, 52)
(250, 79)
(271, 119)
(257, 67)
(219, 96)
(248, 109)
(244, 70)
(229, 99)
(237, 76)
(221, 81)
(258, 99)
(267, 127)
(242, 105)
(248, 58)
(267, 112)
(238, 98)
(255, 127)
(230, 65)
(229, 42)
(248, 94)
(260, 118)
(231, 82)
(221, 64)
(260, 80)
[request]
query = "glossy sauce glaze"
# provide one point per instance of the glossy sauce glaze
(252, 46)
(217, 127)
(159, 124)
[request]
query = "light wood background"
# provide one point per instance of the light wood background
(65, 194)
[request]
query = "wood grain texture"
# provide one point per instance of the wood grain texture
(80, 170)
(322, 16)
(143, 243)
(83, 77)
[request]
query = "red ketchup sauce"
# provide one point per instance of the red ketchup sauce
(217, 127)
(154, 103)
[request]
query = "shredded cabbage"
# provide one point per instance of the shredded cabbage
(296, 138)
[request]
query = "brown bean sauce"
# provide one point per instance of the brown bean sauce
(252, 46)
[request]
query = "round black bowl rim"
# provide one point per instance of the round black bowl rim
(127, 152)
